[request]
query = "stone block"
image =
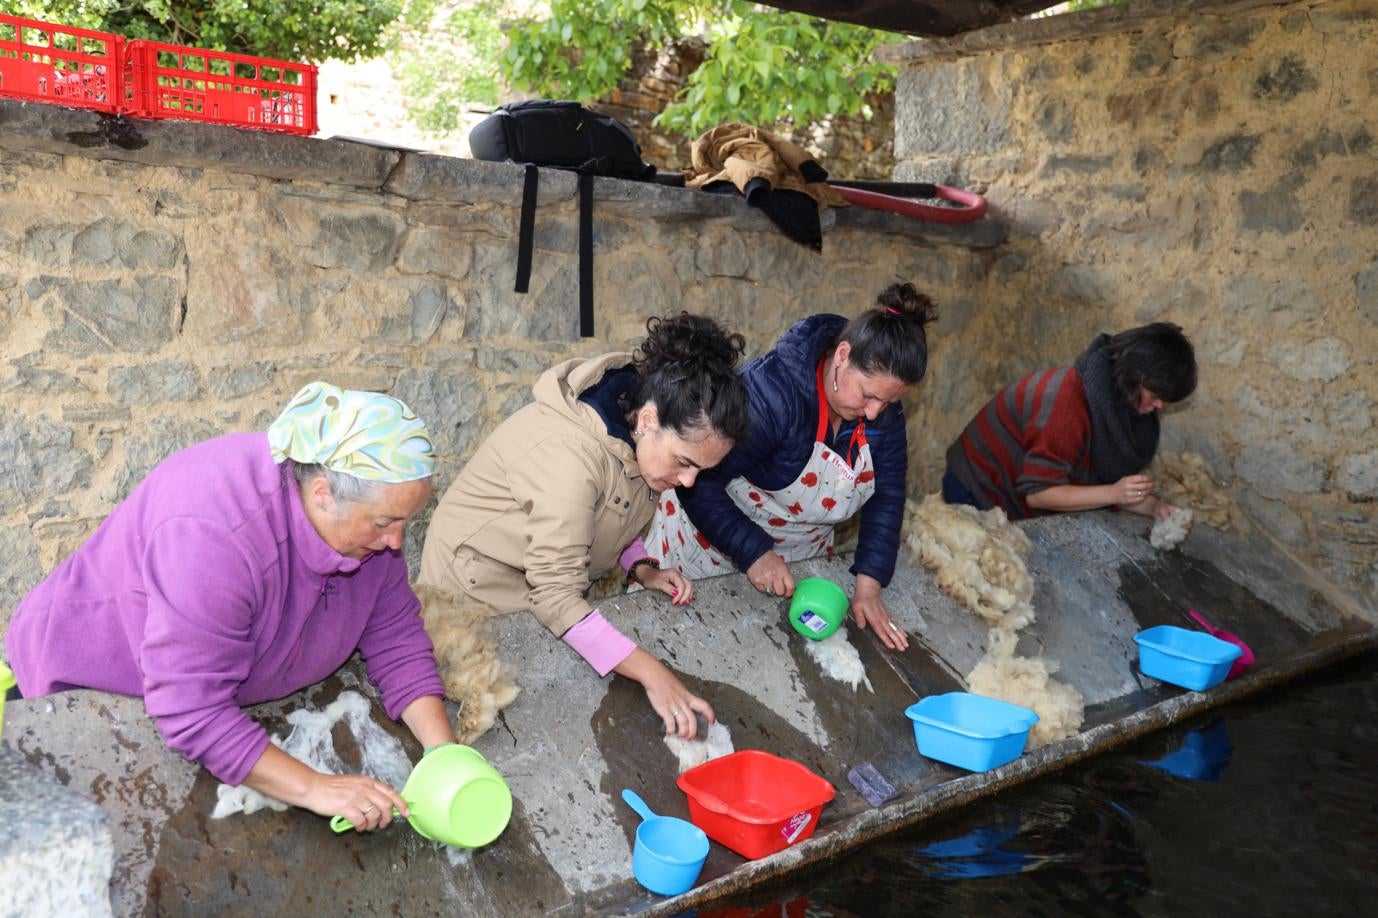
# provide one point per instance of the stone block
(151, 443)
(1174, 301)
(426, 310)
(1275, 210)
(117, 316)
(548, 311)
(1221, 36)
(786, 266)
(1321, 360)
(1286, 302)
(1230, 154)
(1352, 413)
(721, 252)
(1284, 79)
(452, 406)
(243, 293)
(1276, 518)
(1348, 533)
(56, 853)
(151, 383)
(20, 566)
(1084, 285)
(1278, 471)
(427, 250)
(235, 380)
(361, 241)
(1366, 290)
(1083, 165)
(121, 244)
(1057, 121)
(1358, 476)
(1220, 346)
(1341, 17)
(1363, 201)
(38, 458)
(513, 362)
(971, 114)
(1325, 142)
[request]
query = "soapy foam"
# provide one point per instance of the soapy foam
(1169, 532)
(311, 742)
(838, 659)
(712, 743)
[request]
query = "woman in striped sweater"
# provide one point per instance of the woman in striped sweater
(1077, 437)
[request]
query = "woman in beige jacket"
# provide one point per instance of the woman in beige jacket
(562, 490)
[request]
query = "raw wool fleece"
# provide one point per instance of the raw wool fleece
(1183, 480)
(839, 659)
(474, 677)
(979, 557)
(711, 743)
(1168, 533)
(1028, 682)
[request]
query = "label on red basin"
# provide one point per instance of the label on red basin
(796, 826)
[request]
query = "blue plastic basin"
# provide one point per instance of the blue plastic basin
(970, 731)
(1191, 659)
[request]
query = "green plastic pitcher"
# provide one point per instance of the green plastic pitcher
(455, 797)
(7, 682)
(818, 608)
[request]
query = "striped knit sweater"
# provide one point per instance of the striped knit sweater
(1033, 435)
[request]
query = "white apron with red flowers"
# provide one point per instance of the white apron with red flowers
(800, 517)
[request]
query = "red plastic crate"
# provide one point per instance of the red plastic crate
(63, 65)
(191, 84)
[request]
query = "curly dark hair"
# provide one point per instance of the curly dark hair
(687, 366)
(888, 339)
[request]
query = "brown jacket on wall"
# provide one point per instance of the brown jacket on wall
(545, 506)
(738, 153)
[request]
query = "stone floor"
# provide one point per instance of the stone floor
(572, 742)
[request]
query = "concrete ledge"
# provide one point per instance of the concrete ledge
(38, 128)
(56, 852)
(1066, 27)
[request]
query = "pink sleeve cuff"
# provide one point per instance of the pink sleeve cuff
(599, 643)
(634, 552)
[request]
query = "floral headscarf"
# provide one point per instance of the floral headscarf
(365, 434)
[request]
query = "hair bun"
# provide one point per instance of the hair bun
(694, 341)
(905, 300)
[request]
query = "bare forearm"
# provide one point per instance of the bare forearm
(282, 777)
(426, 719)
(1068, 498)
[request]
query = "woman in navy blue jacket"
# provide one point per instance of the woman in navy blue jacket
(826, 441)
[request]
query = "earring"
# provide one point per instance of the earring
(834, 377)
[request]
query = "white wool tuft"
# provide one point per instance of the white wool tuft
(838, 659)
(468, 660)
(1169, 532)
(1029, 683)
(1182, 479)
(710, 744)
(978, 558)
(311, 741)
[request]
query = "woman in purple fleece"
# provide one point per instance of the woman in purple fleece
(244, 569)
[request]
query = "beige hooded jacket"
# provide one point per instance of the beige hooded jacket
(545, 506)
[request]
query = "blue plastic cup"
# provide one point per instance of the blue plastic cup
(669, 852)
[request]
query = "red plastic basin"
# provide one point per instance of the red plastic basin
(753, 802)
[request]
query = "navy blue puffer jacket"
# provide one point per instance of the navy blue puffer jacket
(782, 388)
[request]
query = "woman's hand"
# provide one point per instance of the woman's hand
(670, 581)
(366, 802)
(771, 575)
(1132, 490)
(870, 609)
(671, 700)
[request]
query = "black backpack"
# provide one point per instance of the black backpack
(563, 135)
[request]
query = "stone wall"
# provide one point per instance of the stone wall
(1213, 165)
(162, 283)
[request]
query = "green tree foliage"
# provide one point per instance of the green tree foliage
(447, 61)
(311, 30)
(762, 65)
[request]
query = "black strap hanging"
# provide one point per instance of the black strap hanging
(585, 255)
(526, 230)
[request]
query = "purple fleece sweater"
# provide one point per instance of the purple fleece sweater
(207, 589)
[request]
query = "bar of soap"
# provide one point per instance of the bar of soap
(872, 784)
